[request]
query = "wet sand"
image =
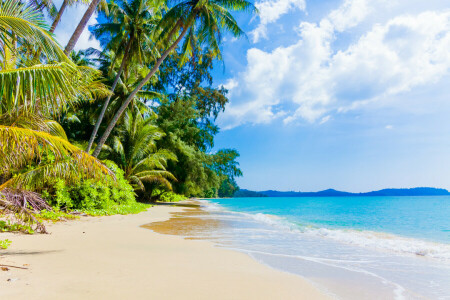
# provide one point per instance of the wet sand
(117, 257)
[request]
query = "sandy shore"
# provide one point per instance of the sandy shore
(114, 258)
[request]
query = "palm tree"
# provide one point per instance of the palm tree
(45, 5)
(203, 21)
(130, 24)
(125, 86)
(83, 22)
(61, 10)
(134, 151)
(81, 58)
(33, 147)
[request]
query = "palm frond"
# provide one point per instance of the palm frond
(51, 88)
(18, 146)
(45, 86)
(18, 20)
(71, 170)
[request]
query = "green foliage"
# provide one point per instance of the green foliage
(4, 244)
(155, 149)
(61, 198)
(8, 226)
(124, 209)
(171, 197)
(90, 194)
(227, 188)
(134, 150)
(55, 215)
(187, 116)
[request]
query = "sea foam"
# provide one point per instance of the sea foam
(362, 238)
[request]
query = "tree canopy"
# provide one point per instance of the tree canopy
(149, 91)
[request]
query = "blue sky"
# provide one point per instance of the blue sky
(345, 94)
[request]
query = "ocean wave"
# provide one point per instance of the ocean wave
(362, 238)
(384, 242)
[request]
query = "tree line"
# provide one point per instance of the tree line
(95, 130)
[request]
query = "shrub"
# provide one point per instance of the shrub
(92, 195)
(171, 197)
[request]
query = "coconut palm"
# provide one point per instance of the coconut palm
(64, 5)
(198, 22)
(45, 5)
(33, 147)
(93, 6)
(130, 25)
(126, 86)
(24, 24)
(82, 58)
(134, 151)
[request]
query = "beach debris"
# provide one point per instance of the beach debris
(5, 269)
(12, 279)
(9, 266)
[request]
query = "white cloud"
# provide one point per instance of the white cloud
(231, 84)
(402, 53)
(271, 11)
(69, 21)
(349, 14)
(406, 52)
(325, 119)
(389, 127)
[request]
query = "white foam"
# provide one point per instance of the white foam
(384, 242)
(369, 239)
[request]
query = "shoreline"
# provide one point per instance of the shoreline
(114, 257)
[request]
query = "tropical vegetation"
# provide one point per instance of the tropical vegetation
(101, 131)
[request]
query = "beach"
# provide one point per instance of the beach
(351, 247)
(115, 257)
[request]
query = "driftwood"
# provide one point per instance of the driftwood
(8, 266)
(24, 199)
(21, 205)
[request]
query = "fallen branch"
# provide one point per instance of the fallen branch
(14, 267)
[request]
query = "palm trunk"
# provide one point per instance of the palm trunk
(58, 17)
(54, 24)
(76, 34)
(105, 105)
(131, 96)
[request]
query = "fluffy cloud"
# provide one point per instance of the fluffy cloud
(309, 80)
(271, 11)
(349, 14)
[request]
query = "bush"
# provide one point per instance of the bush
(101, 197)
(171, 197)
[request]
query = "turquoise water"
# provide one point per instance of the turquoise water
(418, 217)
(350, 247)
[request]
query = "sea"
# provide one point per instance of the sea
(349, 247)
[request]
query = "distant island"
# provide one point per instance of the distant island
(418, 191)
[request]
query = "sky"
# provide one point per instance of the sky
(346, 94)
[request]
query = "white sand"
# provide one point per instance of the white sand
(114, 258)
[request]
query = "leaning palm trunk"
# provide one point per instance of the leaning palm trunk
(135, 91)
(76, 34)
(105, 105)
(58, 16)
